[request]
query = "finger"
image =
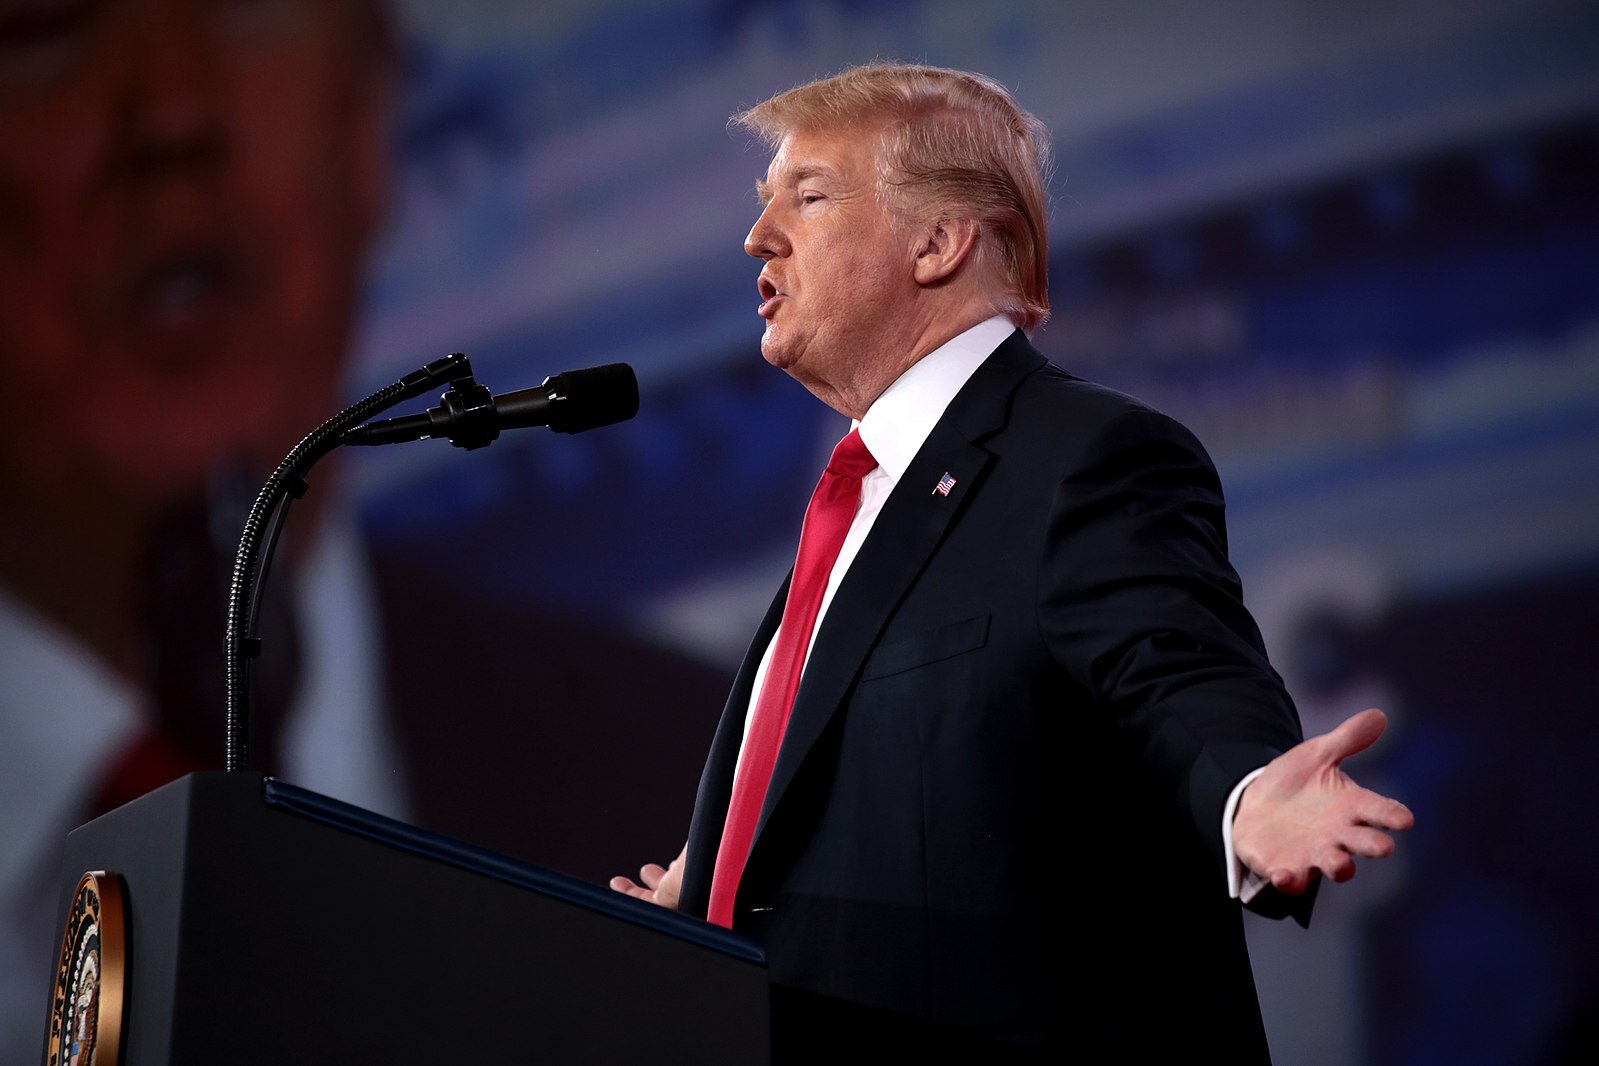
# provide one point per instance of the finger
(1355, 734)
(1290, 882)
(1367, 843)
(651, 874)
(1338, 865)
(1380, 812)
(625, 885)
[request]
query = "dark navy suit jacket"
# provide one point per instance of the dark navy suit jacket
(995, 817)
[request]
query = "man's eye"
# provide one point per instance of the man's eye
(42, 22)
(41, 40)
(811, 197)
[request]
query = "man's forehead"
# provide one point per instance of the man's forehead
(839, 154)
(786, 172)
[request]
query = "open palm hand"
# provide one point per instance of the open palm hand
(1305, 816)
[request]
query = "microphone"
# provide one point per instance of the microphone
(471, 418)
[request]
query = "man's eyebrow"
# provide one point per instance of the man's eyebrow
(807, 171)
(803, 172)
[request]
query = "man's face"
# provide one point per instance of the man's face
(186, 189)
(838, 276)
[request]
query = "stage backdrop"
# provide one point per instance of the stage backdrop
(1355, 247)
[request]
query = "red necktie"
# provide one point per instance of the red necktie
(827, 521)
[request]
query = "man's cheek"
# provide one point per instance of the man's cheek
(41, 348)
(289, 116)
(22, 215)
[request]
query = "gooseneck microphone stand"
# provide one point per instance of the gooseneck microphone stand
(468, 417)
(265, 522)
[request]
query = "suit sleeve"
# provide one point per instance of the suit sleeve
(1140, 606)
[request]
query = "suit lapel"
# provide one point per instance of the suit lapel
(913, 522)
(716, 782)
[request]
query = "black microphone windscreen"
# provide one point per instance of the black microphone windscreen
(597, 396)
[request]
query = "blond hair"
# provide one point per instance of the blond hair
(955, 144)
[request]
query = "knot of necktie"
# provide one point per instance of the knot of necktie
(850, 457)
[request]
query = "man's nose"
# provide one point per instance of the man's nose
(171, 105)
(766, 238)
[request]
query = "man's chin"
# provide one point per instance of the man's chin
(183, 435)
(169, 469)
(774, 353)
(780, 348)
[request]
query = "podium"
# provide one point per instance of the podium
(263, 923)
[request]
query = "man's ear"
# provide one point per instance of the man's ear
(946, 247)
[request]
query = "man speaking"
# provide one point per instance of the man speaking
(1007, 743)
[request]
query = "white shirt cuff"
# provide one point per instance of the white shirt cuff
(1242, 882)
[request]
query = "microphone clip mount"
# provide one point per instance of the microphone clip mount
(470, 406)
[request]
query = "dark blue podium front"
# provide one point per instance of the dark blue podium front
(269, 924)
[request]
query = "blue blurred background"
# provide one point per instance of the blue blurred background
(1354, 246)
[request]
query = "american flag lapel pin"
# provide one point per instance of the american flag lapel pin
(945, 483)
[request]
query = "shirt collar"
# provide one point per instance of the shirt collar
(899, 421)
(67, 715)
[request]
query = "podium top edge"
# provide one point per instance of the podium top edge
(347, 817)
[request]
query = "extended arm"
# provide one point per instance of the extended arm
(1143, 610)
(1147, 614)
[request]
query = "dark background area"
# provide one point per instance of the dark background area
(1355, 247)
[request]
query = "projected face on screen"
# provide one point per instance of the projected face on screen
(186, 191)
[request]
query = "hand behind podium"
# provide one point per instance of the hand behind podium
(661, 886)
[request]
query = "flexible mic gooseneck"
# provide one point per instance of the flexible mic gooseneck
(469, 417)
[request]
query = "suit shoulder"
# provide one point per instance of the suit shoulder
(1076, 416)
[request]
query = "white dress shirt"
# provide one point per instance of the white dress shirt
(894, 429)
(66, 717)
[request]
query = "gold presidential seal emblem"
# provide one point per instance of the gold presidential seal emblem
(87, 1006)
